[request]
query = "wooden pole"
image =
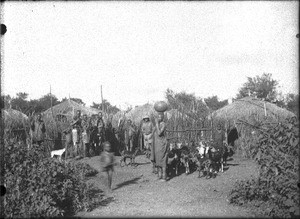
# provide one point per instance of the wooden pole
(50, 97)
(102, 107)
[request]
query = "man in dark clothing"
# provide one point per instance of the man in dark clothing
(99, 126)
(219, 136)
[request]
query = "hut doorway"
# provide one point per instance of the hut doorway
(232, 135)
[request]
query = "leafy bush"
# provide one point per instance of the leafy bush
(40, 186)
(275, 191)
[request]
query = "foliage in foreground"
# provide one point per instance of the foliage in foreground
(275, 193)
(40, 186)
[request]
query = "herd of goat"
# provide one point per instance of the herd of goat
(208, 158)
(204, 155)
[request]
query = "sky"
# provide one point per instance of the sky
(136, 50)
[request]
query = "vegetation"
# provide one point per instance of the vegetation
(275, 193)
(214, 104)
(262, 86)
(38, 186)
(107, 107)
(191, 113)
(266, 88)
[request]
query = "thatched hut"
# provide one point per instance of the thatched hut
(243, 116)
(59, 117)
(67, 109)
(15, 122)
(136, 114)
(14, 119)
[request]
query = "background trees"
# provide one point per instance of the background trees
(261, 86)
(107, 107)
(267, 88)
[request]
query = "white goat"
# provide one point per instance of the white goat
(58, 153)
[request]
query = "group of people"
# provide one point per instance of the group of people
(87, 134)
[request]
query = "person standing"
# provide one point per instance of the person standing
(129, 135)
(76, 133)
(38, 131)
(86, 128)
(219, 136)
(147, 130)
(101, 132)
(160, 147)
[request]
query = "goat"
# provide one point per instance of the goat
(173, 158)
(204, 163)
(185, 158)
(130, 155)
(58, 153)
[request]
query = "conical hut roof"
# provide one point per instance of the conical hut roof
(14, 118)
(249, 109)
(69, 108)
(136, 114)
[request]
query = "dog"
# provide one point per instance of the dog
(128, 155)
(58, 153)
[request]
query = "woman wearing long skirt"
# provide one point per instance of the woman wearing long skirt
(160, 147)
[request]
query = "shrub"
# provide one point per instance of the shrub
(275, 191)
(40, 186)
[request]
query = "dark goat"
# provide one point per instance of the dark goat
(173, 159)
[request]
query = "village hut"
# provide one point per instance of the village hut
(136, 114)
(15, 122)
(244, 116)
(58, 118)
(14, 119)
(67, 109)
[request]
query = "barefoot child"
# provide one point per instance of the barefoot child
(107, 162)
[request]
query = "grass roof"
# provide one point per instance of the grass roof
(69, 107)
(248, 107)
(13, 118)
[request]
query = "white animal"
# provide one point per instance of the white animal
(58, 153)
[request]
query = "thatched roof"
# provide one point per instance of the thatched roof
(136, 114)
(14, 118)
(249, 107)
(69, 108)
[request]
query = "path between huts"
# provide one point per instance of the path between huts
(137, 192)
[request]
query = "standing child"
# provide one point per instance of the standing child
(107, 162)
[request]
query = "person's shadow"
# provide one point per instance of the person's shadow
(128, 182)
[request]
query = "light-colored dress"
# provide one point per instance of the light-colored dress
(160, 146)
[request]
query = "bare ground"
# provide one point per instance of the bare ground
(138, 193)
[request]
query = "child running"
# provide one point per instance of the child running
(107, 162)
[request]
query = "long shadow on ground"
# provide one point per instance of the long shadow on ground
(128, 182)
(138, 164)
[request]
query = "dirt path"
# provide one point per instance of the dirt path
(137, 192)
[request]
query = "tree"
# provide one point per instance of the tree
(20, 102)
(292, 103)
(22, 95)
(107, 107)
(214, 104)
(261, 86)
(188, 104)
(78, 100)
(6, 101)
